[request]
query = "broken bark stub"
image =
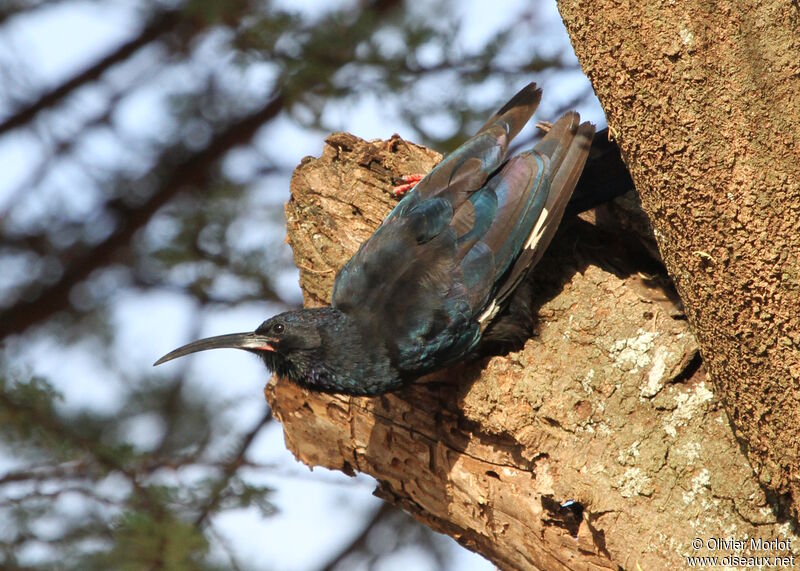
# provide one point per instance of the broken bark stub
(595, 409)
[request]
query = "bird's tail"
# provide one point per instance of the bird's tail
(516, 113)
(604, 177)
(564, 148)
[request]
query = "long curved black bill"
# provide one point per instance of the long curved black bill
(247, 341)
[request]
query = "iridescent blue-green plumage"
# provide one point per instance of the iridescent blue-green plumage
(425, 288)
(446, 259)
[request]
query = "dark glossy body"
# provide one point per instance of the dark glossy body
(422, 290)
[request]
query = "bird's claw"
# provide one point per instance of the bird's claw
(409, 182)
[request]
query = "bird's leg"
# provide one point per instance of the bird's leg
(409, 182)
(544, 126)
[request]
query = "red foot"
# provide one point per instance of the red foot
(410, 181)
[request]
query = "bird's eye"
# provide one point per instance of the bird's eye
(278, 328)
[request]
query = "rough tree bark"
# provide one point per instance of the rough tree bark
(605, 406)
(705, 98)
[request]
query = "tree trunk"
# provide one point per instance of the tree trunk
(599, 445)
(705, 99)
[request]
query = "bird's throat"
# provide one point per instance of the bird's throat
(346, 360)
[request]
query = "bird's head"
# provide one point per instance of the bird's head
(288, 343)
(321, 349)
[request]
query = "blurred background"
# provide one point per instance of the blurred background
(145, 151)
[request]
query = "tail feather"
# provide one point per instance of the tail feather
(557, 141)
(516, 113)
(565, 148)
(604, 176)
(566, 165)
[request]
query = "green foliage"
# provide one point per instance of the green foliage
(159, 525)
(24, 406)
(143, 542)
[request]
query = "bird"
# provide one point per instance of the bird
(435, 278)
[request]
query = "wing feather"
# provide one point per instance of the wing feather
(565, 147)
(446, 258)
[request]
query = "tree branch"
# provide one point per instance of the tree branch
(191, 171)
(230, 469)
(160, 24)
(359, 541)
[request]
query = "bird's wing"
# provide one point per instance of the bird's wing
(563, 153)
(403, 286)
(406, 282)
(426, 281)
(466, 169)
